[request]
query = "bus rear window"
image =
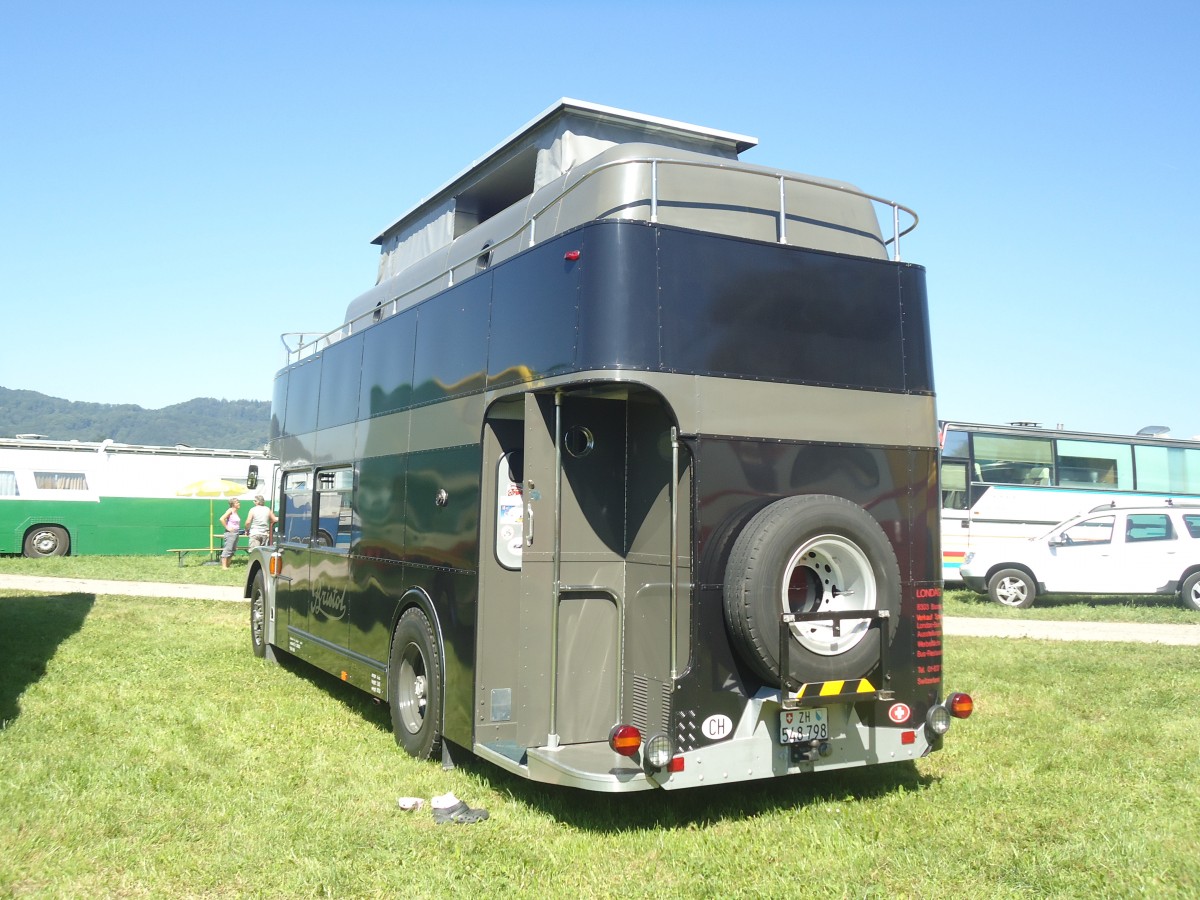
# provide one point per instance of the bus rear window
(60, 481)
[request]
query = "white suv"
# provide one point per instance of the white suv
(1110, 550)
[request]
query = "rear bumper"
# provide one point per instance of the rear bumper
(751, 752)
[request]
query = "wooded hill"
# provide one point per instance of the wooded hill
(203, 422)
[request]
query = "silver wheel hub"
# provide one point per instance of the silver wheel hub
(829, 573)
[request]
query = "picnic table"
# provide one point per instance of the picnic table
(213, 549)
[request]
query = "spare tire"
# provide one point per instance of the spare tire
(807, 554)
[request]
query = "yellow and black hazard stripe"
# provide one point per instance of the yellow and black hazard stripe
(851, 689)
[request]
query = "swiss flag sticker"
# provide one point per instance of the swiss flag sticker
(899, 713)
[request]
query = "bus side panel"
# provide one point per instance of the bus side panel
(619, 315)
(125, 526)
(442, 547)
(534, 315)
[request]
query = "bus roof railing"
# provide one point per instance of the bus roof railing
(298, 345)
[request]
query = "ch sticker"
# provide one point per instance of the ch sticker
(717, 728)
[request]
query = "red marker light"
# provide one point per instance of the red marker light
(572, 255)
(676, 764)
(908, 737)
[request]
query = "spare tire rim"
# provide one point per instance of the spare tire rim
(829, 573)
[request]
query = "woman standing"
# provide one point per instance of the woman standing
(232, 523)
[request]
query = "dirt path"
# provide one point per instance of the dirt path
(1035, 630)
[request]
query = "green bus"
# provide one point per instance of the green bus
(105, 498)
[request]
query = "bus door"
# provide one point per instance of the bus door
(311, 594)
(554, 570)
(293, 591)
(329, 557)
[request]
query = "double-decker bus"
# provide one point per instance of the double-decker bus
(1017, 481)
(101, 497)
(624, 475)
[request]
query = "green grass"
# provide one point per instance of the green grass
(146, 753)
(956, 602)
(1073, 608)
(196, 568)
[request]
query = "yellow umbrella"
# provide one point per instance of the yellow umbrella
(212, 487)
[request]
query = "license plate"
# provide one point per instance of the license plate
(799, 725)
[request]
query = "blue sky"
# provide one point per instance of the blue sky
(181, 184)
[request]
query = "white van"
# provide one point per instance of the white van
(1109, 550)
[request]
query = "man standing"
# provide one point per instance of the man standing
(259, 523)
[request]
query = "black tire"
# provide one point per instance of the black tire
(814, 553)
(1190, 592)
(1012, 587)
(415, 686)
(258, 617)
(47, 540)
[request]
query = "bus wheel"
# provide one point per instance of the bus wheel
(1012, 587)
(47, 540)
(258, 618)
(415, 686)
(808, 554)
(1190, 593)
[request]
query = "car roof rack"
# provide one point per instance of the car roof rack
(1168, 502)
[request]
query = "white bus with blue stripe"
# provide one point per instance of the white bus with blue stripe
(1017, 481)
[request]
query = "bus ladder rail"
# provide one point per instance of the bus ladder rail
(790, 689)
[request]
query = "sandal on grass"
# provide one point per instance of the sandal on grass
(459, 814)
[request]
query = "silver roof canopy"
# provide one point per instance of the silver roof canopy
(565, 134)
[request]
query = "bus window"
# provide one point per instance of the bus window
(1000, 459)
(1095, 464)
(1193, 525)
(60, 481)
(1173, 470)
(510, 510)
(955, 443)
(954, 485)
(297, 508)
(8, 485)
(335, 517)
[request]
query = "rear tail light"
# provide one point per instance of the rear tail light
(960, 705)
(956, 706)
(625, 739)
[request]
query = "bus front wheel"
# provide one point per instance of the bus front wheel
(258, 619)
(415, 686)
(47, 540)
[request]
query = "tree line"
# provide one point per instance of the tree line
(203, 422)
